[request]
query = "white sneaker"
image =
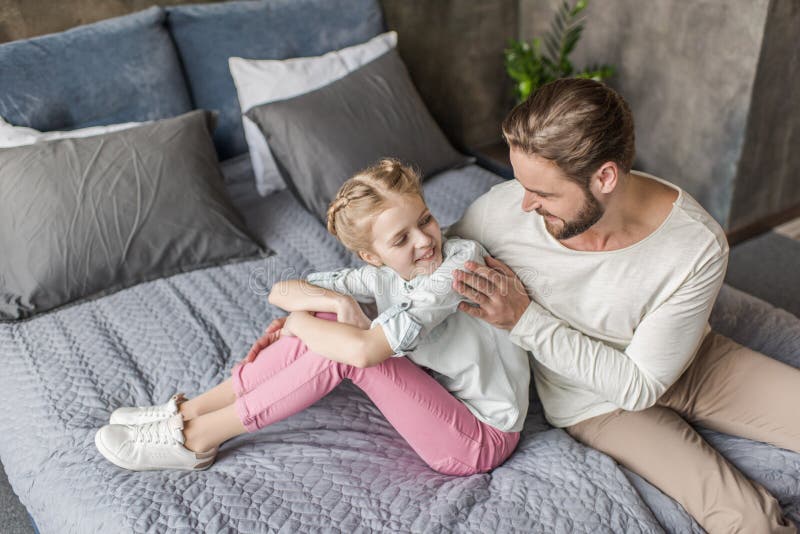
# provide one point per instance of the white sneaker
(151, 446)
(141, 415)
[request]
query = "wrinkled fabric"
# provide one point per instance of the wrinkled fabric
(85, 217)
(321, 138)
(255, 84)
(206, 35)
(339, 466)
(123, 69)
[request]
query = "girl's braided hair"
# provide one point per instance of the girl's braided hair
(363, 196)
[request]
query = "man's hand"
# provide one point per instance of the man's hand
(499, 293)
(270, 336)
(348, 311)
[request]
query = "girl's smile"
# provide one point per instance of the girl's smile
(428, 255)
(405, 237)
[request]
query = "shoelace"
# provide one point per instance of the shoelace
(153, 410)
(157, 432)
(162, 409)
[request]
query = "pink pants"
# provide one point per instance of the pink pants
(287, 377)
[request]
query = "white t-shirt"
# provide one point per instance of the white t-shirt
(608, 329)
(473, 360)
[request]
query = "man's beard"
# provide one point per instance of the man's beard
(590, 213)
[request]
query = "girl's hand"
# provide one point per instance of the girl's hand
(289, 324)
(270, 336)
(349, 312)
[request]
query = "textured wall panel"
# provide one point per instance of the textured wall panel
(20, 19)
(454, 50)
(768, 179)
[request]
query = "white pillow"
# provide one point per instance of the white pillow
(11, 136)
(259, 81)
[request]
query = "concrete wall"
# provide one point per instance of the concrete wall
(454, 51)
(715, 90)
(20, 19)
(687, 69)
(768, 178)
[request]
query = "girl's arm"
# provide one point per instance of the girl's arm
(338, 341)
(299, 295)
(398, 329)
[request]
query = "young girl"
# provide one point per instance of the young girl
(462, 418)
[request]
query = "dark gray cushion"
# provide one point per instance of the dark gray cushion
(321, 138)
(87, 216)
(208, 34)
(123, 69)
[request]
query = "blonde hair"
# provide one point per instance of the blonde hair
(577, 123)
(363, 196)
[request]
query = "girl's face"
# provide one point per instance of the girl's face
(406, 238)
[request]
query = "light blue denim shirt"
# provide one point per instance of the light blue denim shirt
(473, 360)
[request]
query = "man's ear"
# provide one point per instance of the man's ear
(370, 258)
(606, 178)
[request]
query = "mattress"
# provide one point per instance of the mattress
(338, 466)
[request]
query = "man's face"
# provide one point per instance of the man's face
(568, 209)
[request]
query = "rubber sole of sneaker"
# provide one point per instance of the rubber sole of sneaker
(108, 455)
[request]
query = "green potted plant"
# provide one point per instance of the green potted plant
(530, 67)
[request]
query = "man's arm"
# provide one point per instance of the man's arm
(660, 350)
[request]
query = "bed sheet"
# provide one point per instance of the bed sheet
(338, 466)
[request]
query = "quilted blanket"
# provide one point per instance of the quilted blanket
(338, 466)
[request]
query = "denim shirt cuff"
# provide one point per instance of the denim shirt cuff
(400, 328)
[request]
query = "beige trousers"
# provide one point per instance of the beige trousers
(728, 388)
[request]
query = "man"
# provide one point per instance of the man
(616, 275)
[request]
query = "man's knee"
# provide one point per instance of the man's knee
(751, 524)
(763, 514)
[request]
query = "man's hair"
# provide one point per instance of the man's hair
(577, 123)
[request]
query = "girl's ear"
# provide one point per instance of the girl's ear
(370, 258)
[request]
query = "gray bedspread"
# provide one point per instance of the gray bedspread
(338, 466)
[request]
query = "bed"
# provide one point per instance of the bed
(338, 466)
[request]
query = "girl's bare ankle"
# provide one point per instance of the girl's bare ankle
(192, 446)
(191, 440)
(185, 409)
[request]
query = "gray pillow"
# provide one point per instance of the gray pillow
(83, 217)
(319, 139)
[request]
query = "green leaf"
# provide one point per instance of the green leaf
(597, 73)
(525, 89)
(571, 40)
(580, 5)
(543, 60)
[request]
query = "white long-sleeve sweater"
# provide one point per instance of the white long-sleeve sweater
(609, 329)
